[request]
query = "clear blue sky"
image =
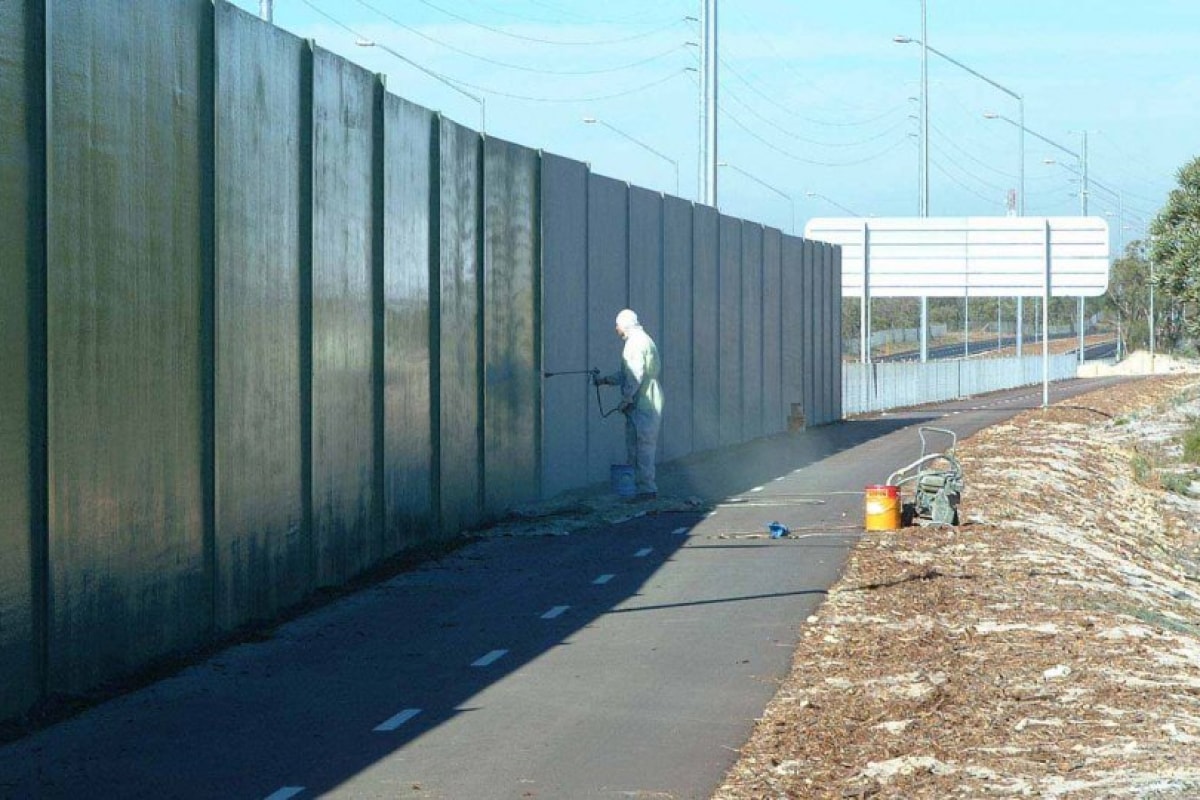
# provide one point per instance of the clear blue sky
(814, 94)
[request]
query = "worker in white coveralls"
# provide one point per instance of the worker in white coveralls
(641, 400)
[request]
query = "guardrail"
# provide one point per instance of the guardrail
(882, 386)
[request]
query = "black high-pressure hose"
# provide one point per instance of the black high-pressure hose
(594, 373)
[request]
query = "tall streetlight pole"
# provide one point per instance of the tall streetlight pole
(833, 202)
(1083, 165)
(1031, 132)
(925, 50)
(924, 337)
(924, 124)
(925, 47)
(1083, 208)
(266, 10)
(639, 143)
(1052, 143)
(765, 185)
(482, 103)
(1021, 173)
(1084, 204)
(708, 166)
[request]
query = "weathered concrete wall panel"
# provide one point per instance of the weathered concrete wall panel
(263, 550)
(646, 258)
(459, 327)
(835, 332)
(752, 331)
(676, 337)
(127, 275)
(511, 326)
(343, 457)
(569, 400)
(22, 434)
(607, 293)
(729, 329)
(793, 324)
(773, 410)
(706, 321)
(407, 455)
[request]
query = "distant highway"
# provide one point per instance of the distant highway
(1031, 346)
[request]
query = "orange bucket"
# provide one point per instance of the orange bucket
(882, 504)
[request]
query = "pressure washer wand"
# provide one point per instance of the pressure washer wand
(594, 372)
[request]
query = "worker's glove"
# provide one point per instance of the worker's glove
(626, 406)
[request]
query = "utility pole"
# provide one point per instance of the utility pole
(266, 10)
(924, 113)
(1083, 199)
(708, 165)
(924, 181)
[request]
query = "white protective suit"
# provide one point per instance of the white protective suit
(641, 399)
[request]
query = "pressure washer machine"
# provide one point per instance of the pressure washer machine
(930, 487)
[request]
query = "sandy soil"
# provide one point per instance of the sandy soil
(1048, 647)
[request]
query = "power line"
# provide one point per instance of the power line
(806, 140)
(539, 40)
(950, 140)
(786, 64)
(444, 78)
(772, 101)
(793, 157)
(633, 19)
(591, 99)
(963, 186)
(456, 82)
(512, 66)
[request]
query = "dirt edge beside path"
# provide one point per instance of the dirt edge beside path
(1049, 647)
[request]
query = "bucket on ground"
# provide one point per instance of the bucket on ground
(882, 507)
(622, 479)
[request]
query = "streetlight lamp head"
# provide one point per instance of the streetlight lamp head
(361, 42)
(722, 163)
(590, 120)
(902, 39)
(990, 115)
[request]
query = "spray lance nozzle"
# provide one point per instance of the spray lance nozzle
(594, 376)
(594, 372)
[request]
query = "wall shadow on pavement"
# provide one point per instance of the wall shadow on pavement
(304, 708)
(732, 470)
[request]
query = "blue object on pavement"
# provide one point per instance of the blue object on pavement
(778, 530)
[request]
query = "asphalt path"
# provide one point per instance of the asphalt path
(628, 661)
(977, 347)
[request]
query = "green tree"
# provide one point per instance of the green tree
(1175, 249)
(1127, 297)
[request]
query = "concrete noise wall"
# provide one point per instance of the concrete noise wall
(267, 325)
(743, 315)
(22, 354)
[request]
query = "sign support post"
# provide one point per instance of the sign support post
(1046, 324)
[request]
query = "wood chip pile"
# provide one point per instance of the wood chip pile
(1048, 647)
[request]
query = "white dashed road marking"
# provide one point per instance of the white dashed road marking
(680, 531)
(398, 720)
(645, 551)
(285, 793)
(490, 658)
(557, 611)
(603, 579)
